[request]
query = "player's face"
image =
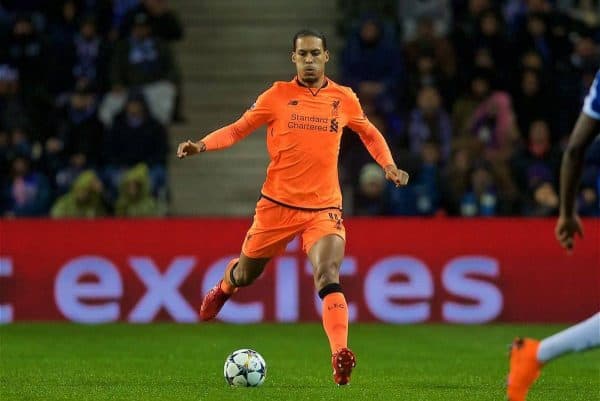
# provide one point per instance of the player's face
(310, 59)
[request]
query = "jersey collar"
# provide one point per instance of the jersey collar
(312, 92)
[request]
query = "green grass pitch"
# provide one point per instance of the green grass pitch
(185, 362)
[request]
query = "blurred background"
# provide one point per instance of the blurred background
(475, 97)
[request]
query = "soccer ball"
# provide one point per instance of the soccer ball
(245, 368)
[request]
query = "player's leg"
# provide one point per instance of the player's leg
(527, 356)
(240, 272)
(326, 256)
(266, 238)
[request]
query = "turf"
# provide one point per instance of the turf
(185, 362)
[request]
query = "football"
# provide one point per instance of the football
(245, 368)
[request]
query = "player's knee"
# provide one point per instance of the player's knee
(327, 273)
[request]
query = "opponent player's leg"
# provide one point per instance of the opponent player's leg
(326, 256)
(527, 356)
(240, 272)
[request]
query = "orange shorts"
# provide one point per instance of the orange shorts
(274, 226)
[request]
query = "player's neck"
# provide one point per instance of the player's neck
(318, 84)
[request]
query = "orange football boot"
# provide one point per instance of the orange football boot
(524, 368)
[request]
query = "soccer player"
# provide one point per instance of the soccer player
(527, 356)
(301, 193)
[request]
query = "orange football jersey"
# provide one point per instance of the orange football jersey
(304, 129)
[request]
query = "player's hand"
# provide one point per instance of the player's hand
(189, 148)
(566, 228)
(395, 175)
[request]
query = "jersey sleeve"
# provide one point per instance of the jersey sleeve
(260, 113)
(368, 133)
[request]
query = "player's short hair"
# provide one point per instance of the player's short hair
(309, 32)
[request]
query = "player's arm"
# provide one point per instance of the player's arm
(259, 114)
(376, 145)
(583, 134)
(380, 151)
(219, 139)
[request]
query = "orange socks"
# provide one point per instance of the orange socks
(226, 284)
(335, 320)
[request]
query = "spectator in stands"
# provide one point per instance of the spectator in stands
(586, 54)
(136, 137)
(166, 26)
(135, 199)
(80, 134)
(142, 60)
(90, 66)
(21, 143)
(572, 80)
(544, 201)
(428, 42)
(371, 64)
(411, 12)
(427, 72)
(80, 128)
(536, 170)
(28, 52)
(26, 192)
(119, 9)
(530, 100)
(583, 11)
(163, 21)
(535, 35)
(429, 122)
(538, 162)
(369, 199)
(493, 125)
(455, 179)
(84, 200)
(465, 25)
(12, 108)
(490, 35)
(481, 197)
(588, 203)
(422, 196)
(62, 27)
(465, 105)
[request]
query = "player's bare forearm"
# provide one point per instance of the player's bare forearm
(572, 163)
(570, 173)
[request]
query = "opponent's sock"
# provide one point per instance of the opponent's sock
(580, 337)
(335, 316)
(228, 285)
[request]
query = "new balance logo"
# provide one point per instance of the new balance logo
(293, 102)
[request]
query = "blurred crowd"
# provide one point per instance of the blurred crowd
(477, 99)
(88, 89)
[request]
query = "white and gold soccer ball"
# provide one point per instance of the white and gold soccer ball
(245, 368)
